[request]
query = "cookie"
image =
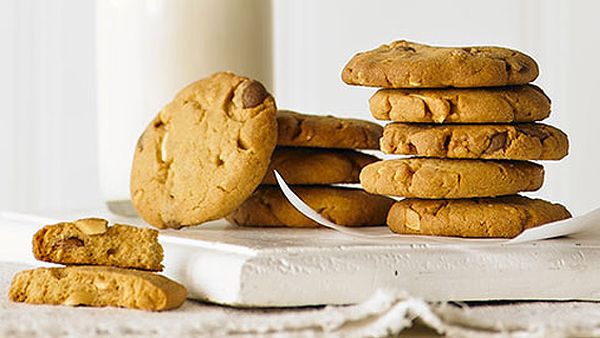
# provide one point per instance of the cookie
(344, 206)
(447, 178)
(97, 286)
(317, 166)
(461, 105)
(300, 130)
(503, 217)
(91, 241)
(533, 141)
(405, 64)
(205, 152)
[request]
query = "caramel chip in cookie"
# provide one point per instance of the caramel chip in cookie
(91, 241)
(533, 141)
(344, 206)
(449, 178)
(301, 130)
(97, 286)
(317, 165)
(501, 217)
(205, 152)
(461, 105)
(405, 64)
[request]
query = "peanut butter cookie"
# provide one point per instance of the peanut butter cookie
(447, 178)
(344, 206)
(300, 130)
(91, 241)
(205, 152)
(97, 286)
(317, 165)
(503, 217)
(533, 141)
(461, 105)
(405, 64)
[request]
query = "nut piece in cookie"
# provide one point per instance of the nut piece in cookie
(97, 286)
(205, 152)
(91, 241)
(405, 64)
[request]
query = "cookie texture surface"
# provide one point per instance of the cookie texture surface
(448, 178)
(205, 152)
(503, 217)
(533, 141)
(317, 166)
(97, 286)
(461, 105)
(91, 241)
(405, 64)
(344, 206)
(301, 130)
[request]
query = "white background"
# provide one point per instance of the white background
(47, 80)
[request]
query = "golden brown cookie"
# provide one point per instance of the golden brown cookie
(301, 130)
(344, 206)
(205, 152)
(503, 217)
(448, 178)
(97, 286)
(532, 141)
(461, 105)
(91, 241)
(405, 64)
(317, 166)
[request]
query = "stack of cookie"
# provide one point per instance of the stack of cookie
(313, 152)
(108, 266)
(468, 115)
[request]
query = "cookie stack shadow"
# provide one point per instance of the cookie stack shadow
(468, 117)
(315, 155)
(106, 266)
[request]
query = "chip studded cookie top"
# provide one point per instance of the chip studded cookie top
(405, 64)
(205, 152)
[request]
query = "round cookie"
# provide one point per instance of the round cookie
(317, 166)
(205, 152)
(533, 141)
(300, 130)
(501, 217)
(461, 105)
(447, 178)
(404, 64)
(344, 206)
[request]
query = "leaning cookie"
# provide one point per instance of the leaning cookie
(449, 178)
(317, 165)
(302, 130)
(531, 141)
(501, 217)
(405, 64)
(344, 206)
(97, 286)
(461, 105)
(91, 241)
(205, 152)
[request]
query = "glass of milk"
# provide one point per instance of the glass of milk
(147, 50)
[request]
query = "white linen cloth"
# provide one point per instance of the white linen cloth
(385, 313)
